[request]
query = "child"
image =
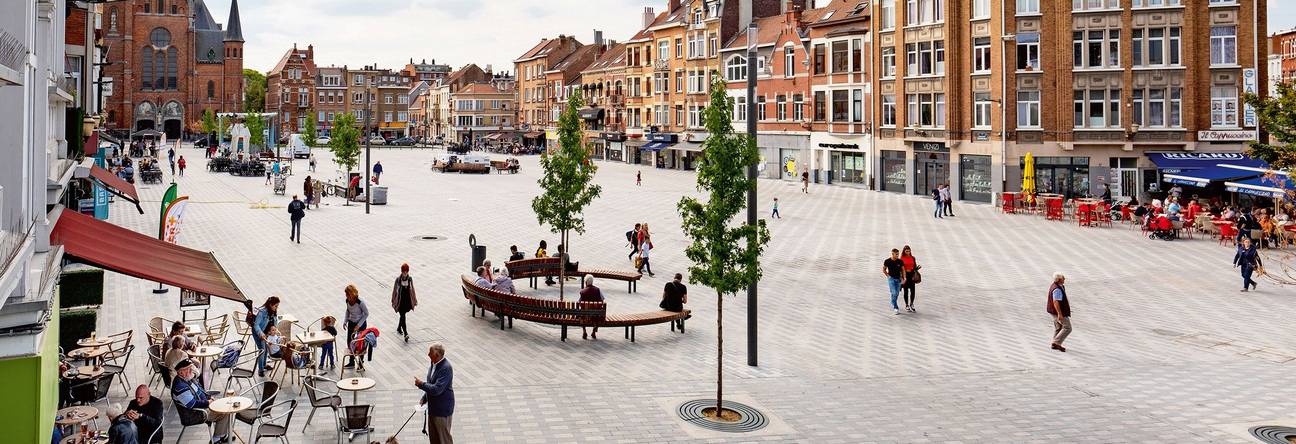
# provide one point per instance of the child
(326, 350)
(274, 342)
(775, 215)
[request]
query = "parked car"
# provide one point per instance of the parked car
(321, 141)
(377, 140)
(404, 141)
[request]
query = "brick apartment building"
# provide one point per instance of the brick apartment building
(603, 86)
(330, 97)
(840, 66)
(290, 89)
(1282, 56)
(423, 71)
(561, 80)
(482, 114)
(169, 63)
(530, 67)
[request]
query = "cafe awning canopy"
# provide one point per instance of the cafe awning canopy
(591, 113)
(1218, 173)
(1176, 162)
(1277, 186)
(111, 247)
(116, 185)
(533, 134)
(656, 146)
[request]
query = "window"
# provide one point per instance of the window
(112, 20)
(841, 105)
(819, 55)
(1157, 3)
(171, 68)
(840, 57)
(857, 105)
(981, 106)
(1028, 55)
(1028, 7)
(888, 62)
(980, 9)
(696, 82)
(789, 56)
(780, 107)
(1081, 5)
(663, 50)
(888, 14)
(736, 68)
(694, 116)
(679, 48)
(160, 38)
(1156, 46)
(1157, 107)
(926, 110)
(857, 65)
(888, 110)
(921, 12)
(925, 58)
(147, 75)
(1223, 2)
(740, 109)
(1028, 109)
(1223, 47)
(981, 54)
(1096, 49)
(713, 46)
(1224, 107)
(387, 116)
(679, 81)
(760, 108)
(820, 106)
(1096, 108)
(798, 107)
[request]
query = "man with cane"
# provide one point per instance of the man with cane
(438, 395)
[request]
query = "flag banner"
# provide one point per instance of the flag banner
(173, 216)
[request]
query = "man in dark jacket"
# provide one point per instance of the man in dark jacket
(438, 395)
(298, 210)
(146, 412)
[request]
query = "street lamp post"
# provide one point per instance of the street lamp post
(368, 112)
(751, 193)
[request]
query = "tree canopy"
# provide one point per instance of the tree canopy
(345, 141)
(1277, 115)
(567, 180)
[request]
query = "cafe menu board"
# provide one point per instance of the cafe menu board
(192, 299)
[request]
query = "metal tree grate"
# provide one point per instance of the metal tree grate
(1274, 434)
(752, 419)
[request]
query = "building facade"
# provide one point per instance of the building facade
(483, 115)
(1282, 54)
(330, 97)
(171, 62)
(562, 80)
(423, 71)
(603, 118)
(290, 89)
(532, 87)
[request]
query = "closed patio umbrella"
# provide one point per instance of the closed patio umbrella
(1028, 179)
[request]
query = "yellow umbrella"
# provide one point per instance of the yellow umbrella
(1028, 176)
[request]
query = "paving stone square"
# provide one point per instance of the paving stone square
(1145, 363)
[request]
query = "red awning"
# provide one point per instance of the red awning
(115, 185)
(108, 246)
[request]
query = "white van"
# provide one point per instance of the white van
(298, 147)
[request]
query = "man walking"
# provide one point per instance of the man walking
(947, 202)
(181, 164)
(297, 210)
(893, 269)
(805, 181)
(438, 395)
(1060, 308)
(775, 213)
(639, 178)
(377, 171)
(632, 237)
(1249, 259)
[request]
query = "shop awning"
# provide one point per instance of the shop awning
(591, 113)
(692, 147)
(493, 136)
(116, 185)
(533, 134)
(1218, 173)
(108, 246)
(656, 146)
(1280, 186)
(1177, 162)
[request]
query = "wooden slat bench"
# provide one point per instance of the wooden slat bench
(561, 313)
(548, 266)
(501, 166)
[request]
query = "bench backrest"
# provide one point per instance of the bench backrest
(573, 312)
(525, 268)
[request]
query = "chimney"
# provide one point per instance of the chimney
(310, 52)
(792, 15)
(598, 37)
(672, 5)
(489, 69)
(648, 16)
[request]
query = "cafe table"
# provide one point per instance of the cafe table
(74, 416)
(88, 353)
(94, 342)
(203, 353)
(230, 406)
(355, 386)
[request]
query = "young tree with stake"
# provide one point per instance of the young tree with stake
(567, 183)
(345, 144)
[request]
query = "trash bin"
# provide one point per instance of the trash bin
(478, 253)
(379, 195)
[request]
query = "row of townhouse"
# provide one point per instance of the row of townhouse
(906, 95)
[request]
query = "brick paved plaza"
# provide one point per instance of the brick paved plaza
(1165, 348)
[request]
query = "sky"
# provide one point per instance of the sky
(456, 32)
(390, 32)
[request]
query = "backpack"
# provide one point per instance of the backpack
(630, 237)
(228, 358)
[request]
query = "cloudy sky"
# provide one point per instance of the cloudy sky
(390, 32)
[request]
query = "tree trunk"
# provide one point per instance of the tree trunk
(719, 354)
(562, 265)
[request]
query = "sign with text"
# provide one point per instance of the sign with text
(935, 147)
(1226, 136)
(1249, 87)
(192, 299)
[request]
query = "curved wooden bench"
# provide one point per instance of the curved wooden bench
(561, 313)
(548, 266)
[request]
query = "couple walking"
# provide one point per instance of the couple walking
(901, 271)
(944, 203)
(640, 247)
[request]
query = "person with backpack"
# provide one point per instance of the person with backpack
(632, 238)
(403, 299)
(936, 196)
(296, 210)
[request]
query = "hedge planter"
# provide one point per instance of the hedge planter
(75, 325)
(80, 286)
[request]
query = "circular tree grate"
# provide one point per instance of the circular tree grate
(752, 419)
(1274, 434)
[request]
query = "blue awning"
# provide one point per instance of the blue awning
(656, 146)
(1280, 186)
(1218, 173)
(1179, 161)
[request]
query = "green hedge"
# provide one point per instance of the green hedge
(80, 286)
(75, 325)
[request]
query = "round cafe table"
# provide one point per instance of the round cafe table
(87, 353)
(230, 406)
(73, 440)
(89, 371)
(203, 353)
(355, 386)
(75, 415)
(94, 342)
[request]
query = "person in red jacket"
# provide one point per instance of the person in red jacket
(181, 164)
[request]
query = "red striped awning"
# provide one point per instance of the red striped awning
(115, 185)
(111, 247)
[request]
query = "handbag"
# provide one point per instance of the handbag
(638, 262)
(917, 275)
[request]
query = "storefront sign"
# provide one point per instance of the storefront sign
(1226, 136)
(613, 137)
(935, 147)
(840, 146)
(662, 137)
(1249, 87)
(1201, 156)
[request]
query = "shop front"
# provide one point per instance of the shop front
(848, 168)
(654, 152)
(841, 159)
(895, 173)
(787, 156)
(1067, 176)
(613, 146)
(931, 166)
(976, 182)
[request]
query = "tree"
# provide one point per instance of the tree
(566, 182)
(209, 124)
(256, 128)
(254, 91)
(1277, 115)
(308, 132)
(345, 144)
(725, 255)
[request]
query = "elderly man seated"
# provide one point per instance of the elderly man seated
(187, 391)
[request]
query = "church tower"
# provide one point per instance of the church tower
(234, 61)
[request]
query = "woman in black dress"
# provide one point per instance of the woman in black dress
(403, 299)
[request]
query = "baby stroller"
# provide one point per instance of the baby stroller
(1160, 227)
(280, 185)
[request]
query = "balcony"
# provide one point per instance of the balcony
(661, 65)
(616, 99)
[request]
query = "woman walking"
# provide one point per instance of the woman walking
(1249, 259)
(357, 317)
(403, 299)
(308, 189)
(911, 277)
(644, 250)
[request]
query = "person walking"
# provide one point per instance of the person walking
(403, 299)
(805, 181)
(590, 293)
(936, 197)
(311, 164)
(438, 395)
(377, 172)
(265, 318)
(308, 189)
(1060, 308)
(173, 167)
(639, 178)
(893, 269)
(171, 155)
(632, 238)
(911, 277)
(644, 249)
(181, 164)
(296, 210)
(775, 213)
(674, 296)
(276, 168)
(947, 201)
(357, 318)
(1249, 260)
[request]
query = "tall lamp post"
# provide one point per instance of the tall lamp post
(751, 193)
(368, 112)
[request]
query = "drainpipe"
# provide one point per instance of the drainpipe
(1003, 97)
